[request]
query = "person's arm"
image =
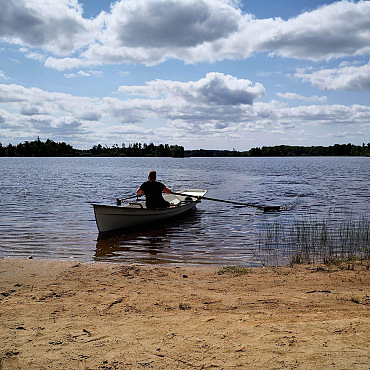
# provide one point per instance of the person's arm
(166, 190)
(139, 192)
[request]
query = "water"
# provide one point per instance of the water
(45, 209)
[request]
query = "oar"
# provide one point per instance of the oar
(264, 208)
(119, 200)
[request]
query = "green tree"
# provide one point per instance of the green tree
(177, 151)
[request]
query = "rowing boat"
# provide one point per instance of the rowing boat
(123, 216)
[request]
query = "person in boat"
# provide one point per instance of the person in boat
(153, 192)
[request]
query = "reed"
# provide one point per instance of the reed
(315, 241)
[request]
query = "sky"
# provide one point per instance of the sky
(211, 74)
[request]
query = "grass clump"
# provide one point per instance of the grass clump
(234, 270)
(299, 259)
(305, 241)
(356, 299)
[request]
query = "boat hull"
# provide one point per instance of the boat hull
(115, 217)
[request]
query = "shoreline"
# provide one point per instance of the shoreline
(99, 315)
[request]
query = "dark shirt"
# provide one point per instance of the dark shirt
(153, 193)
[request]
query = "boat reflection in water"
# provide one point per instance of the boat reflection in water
(139, 245)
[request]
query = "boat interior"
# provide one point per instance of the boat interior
(188, 196)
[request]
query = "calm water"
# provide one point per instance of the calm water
(45, 209)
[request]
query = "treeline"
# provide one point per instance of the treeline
(213, 153)
(287, 151)
(290, 151)
(136, 150)
(50, 148)
(38, 148)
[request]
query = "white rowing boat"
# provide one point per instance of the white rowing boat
(135, 213)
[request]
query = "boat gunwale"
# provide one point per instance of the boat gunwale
(144, 209)
(155, 210)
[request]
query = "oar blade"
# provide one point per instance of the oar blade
(271, 209)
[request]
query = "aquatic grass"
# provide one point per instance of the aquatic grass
(315, 241)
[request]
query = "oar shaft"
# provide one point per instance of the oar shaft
(119, 200)
(134, 196)
(222, 200)
(232, 202)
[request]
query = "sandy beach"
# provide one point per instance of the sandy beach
(72, 315)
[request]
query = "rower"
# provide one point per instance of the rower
(153, 192)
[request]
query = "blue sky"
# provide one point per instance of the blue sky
(210, 74)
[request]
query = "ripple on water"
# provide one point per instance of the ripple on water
(45, 205)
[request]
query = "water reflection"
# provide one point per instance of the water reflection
(133, 245)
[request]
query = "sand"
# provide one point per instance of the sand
(71, 315)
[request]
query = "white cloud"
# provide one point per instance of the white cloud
(89, 116)
(170, 24)
(214, 89)
(56, 26)
(336, 30)
(345, 135)
(217, 107)
(152, 31)
(70, 75)
(2, 118)
(83, 74)
(37, 102)
(15, 126)
(2, 76)
(346, 77)
(35, 56)
(30, 110)
(294, 96)
(334, 115)
(69, 63)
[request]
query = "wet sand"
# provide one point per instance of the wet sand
(71, 315)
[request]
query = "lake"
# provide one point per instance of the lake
(46, 212)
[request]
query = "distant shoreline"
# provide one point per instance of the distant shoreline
(188, 157)
(50, 148)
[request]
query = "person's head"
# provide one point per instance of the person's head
(152, 175)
